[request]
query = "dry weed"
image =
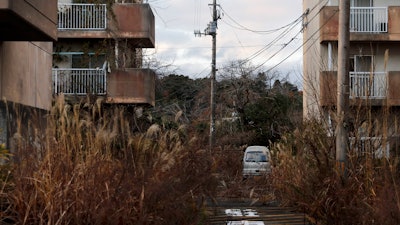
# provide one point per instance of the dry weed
(90, 167)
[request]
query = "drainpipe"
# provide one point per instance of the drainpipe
(116, 54)
(330, 57)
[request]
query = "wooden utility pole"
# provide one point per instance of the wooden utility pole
(212, 30)
(342, 133)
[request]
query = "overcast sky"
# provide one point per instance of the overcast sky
(239, 35)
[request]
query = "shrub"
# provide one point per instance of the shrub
(89, 167)
(304, 175)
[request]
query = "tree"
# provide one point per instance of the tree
(264, 111)
(180, 98)
(240, 85)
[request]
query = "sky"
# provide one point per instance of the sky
(266, 33)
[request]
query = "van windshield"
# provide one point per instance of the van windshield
(256, 156)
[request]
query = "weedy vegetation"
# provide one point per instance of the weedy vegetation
(89, 166)
(305, 176)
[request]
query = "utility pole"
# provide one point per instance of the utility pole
(342, 133)
(212, 30)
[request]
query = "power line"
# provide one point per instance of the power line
(272, 43)
(293, 52)
(241, 27)
(288, 27)
(311, 38)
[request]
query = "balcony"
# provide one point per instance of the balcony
(28, 20)
(366, 23)
(129, 86)
(374, 147)
(375, 89)
(82, 17)
(368, 19)
(79, 81)
(366, 85)
(99, 21)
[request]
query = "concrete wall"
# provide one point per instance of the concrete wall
(28, 20)
(25, 73)
(131, 86)
(311, 59)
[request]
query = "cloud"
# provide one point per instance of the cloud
(176, 21)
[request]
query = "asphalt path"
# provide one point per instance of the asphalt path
(247, 212)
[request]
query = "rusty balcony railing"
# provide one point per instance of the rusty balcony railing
(75, 16)
(79, 81)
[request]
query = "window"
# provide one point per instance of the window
(361, 3)
(88, 60)
(258, 156)
(361, 63)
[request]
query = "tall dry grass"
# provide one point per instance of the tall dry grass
(89, 167)
(304, 175)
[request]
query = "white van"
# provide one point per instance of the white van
(256, 161)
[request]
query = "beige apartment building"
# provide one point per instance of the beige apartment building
(75, 48)
(374, 77)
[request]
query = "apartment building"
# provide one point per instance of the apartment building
(27, 31)
(374, 77)
(99, 51)
(75, 48)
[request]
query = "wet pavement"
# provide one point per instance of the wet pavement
(250, 212)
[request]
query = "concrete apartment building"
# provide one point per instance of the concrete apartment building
(99, 51)
(374, 77)
(73, 48)
(27, 31)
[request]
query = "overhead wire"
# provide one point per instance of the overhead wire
(273, 42)
(287, 44)
(283, 34)
(286, 29)
(242, 27)
(304, 42)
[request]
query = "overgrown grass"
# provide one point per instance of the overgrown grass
(305, 176)
(89, 167)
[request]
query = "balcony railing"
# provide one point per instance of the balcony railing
(369, 19)
(79, 81)
(370, 146)
(368, 85)
(82, 16)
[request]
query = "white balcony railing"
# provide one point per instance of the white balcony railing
(79, 81)
(375, 147)
(82, 16)
(369, 19)
(368, 85)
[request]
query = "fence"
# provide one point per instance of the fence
(82, 16)
(370, 146)
(370, 85)
(79, 81)
(369, 19)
